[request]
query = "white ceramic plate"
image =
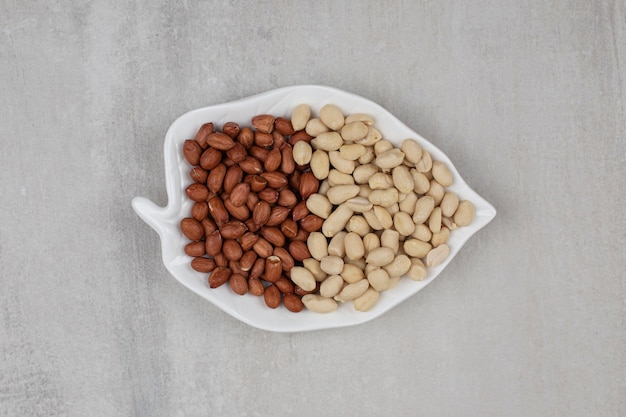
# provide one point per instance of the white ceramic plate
(280, 102)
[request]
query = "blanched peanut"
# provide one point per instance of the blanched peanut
(425, 163)
(436, 191)
(302, 152)
(371, 241)
(390, 239)
(366, 301)
(390, 159)
(313, 265)
(449, 204)
(336, 245)
(380, 257)
(437, 255)
(421, 183)
(368, 156)
(402, 179)
(354, 131)
(315, 126)
(422, 232)
(331, 286)
(332, 116)
(340, 193)
(365, 190)
(300, 116)
(412, 150)
(354, 246)
(403, 223)
(399, 266)
(423, 208)
(366, 119)
(393, 209)
(373, 136)
(359, 263)
(442, 174)
(416, 248)
(434, 221)
(339, 178)
(449, 223)
(342, 165)
(327, 141)
(317, 245)
(352, 273)
(324, 187)
(380, 181)
(372, 220)
(383, 216)
(378, 279)
(320, 164)
(332, 265)
(319, 304)
(362, 173)
(382, 147)
(303, 278)
(352, 151)
(358, 225)
(383, 198)
(393, 281)
(464, 213)
(337, 220)
(441, 237)
(352, 291)
(319, 205)
(359, 204)
(417, 272)
(408, 204)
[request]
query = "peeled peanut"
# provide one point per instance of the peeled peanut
(372, 137)
(303, 278)
(359, 204)
(383, 198)
(403, 223)
(342, 165)
(354, 131)
(368, 156)
(340, 193)
(313, 265)
(390, 159)
(317, 245)
(336, 177)
(402, 179)
(358, 225)
(393, 281)
(336, 246)
(372, 220)
(464, 213)
(437, 255)
(378, 279)
(422, 232)
(319, 205)
(327, 141)
(324, 187)
(442, 174)
(399, 266)
(354, 246)
(449, 204)
(417, 272)
(382, 147)
(332, 116)
(441, 237)
(315, 127)
(365, 191)
(423, 208)
(320, 164)
(383, 216)
(300, 116)
(332, 265)
(352, 273)
(393, 209)
(352, 291)
(366, 301)
(302, 153)
(331, 286)
(371, 241)
(364, 118)
(407, 205)
(380, 181)
(362, 173)
(416, 248)
(425, 163)
(337, 220)
(412, 150)
(390, 239)
(436, 191)
(359, 263)
(421, 183)
(319, 304)
(380, 257)
(434, 221)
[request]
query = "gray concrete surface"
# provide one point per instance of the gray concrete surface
(528, 99)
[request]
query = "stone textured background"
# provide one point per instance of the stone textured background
(528, 100)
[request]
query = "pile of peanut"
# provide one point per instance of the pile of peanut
(316, 211)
